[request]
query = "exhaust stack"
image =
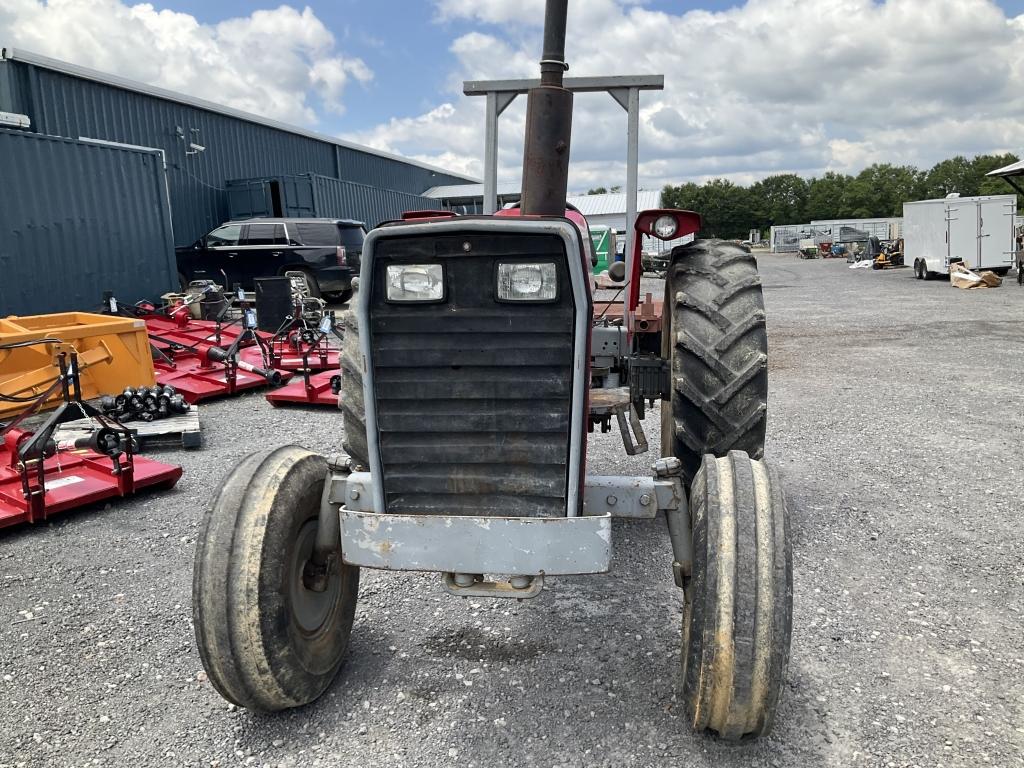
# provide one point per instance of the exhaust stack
(548, 123)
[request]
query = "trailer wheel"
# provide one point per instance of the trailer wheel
(715, 338)
(350, 398)
(738, 617)
(267, 641)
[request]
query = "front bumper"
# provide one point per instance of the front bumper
(524, 546)
(520, 546)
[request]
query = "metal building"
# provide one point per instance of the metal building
(785, 238)
(78, 219)
(202, 146)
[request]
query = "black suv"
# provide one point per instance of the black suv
(327, 250)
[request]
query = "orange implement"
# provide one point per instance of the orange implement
(113, 353)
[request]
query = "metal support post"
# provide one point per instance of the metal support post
(625, 89)
(491, 156)
(497, 102)
(632, 160)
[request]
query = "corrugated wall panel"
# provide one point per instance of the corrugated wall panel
(79, 219)
(60, 104)
(371, 205)
(326, 197)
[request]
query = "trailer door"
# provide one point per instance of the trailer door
(995, 233)
(962, 218)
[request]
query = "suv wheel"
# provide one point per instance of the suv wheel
(314, 286)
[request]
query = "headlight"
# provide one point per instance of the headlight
(415, 282)
(527, 282)
(665, 227)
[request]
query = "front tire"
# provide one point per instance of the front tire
(717, 343)
(268, 642)
(738, 618)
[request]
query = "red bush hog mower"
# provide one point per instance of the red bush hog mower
(467, 369)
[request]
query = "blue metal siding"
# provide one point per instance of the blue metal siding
(78, 219)
(371, 205)
(322, 196)
(60, 104)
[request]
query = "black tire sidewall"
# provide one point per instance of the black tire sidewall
(310, 662)
(252, 653)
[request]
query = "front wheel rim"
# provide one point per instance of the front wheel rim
(311, 611)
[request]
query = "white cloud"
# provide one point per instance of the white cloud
(770, 86)
(278, 63)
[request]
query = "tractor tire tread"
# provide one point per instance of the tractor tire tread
(719, 353)
(737, 629)
(240, 606)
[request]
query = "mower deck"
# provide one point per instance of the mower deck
(289, 358)
(317, 391)
(165, 331)
(74, 479)
(197, 381)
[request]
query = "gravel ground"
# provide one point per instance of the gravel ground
(895, 420)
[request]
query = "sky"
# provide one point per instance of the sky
(751, 88)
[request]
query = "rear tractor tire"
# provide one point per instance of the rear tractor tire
(716, 340)
(267, 641)
(739, 602)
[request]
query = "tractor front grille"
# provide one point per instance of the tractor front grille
(473, 396)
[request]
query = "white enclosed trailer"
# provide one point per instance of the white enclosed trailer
(975, 230)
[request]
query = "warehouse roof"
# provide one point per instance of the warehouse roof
(463, 191)
(614, 202)
(28, 57)
(589, 205)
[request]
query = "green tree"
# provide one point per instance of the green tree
(957, 174)
(880, 190)
(685, 197)
(597, 191)
(778, 200)
(725, 209)
(825, 197)
(993, 186)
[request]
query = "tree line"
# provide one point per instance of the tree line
(730, 210)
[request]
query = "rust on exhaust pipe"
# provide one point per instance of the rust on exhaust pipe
(548, 123)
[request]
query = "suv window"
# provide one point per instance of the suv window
(226, 235)
(352, 237)
(265, 234)
(318, 233)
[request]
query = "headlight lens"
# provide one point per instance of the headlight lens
(527, 282)
(666, 227)
(415, 282)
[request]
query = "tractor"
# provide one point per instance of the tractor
(473, 366)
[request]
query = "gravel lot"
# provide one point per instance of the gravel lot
(896, 422)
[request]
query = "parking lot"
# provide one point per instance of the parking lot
(896, 421)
